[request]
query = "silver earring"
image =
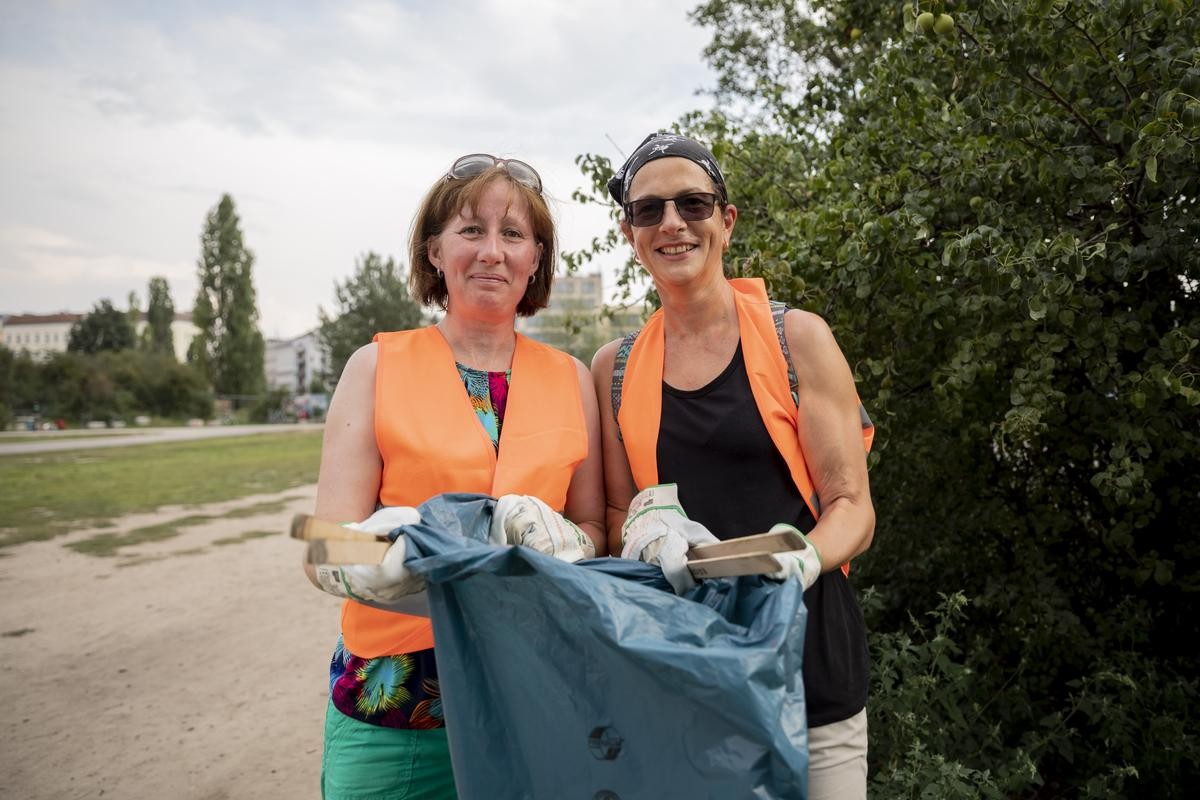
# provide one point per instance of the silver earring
(531, 277)
(440, 274)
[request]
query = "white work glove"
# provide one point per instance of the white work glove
(527, 521)
(803, 564)
(657, 531)
(389, 580)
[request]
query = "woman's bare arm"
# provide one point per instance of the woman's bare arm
(830, 432)
(585, 495)
(351, 467)
(618, 479)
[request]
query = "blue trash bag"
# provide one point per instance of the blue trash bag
(594, 681)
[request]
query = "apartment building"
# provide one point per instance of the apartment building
(43, 334)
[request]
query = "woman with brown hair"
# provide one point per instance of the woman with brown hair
(466, 405)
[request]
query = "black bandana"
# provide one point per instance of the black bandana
(665, 145)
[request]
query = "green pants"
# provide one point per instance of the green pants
(369, 762)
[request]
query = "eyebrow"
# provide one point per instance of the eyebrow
(469, 215)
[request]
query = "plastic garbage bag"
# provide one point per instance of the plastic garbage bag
(594, 681)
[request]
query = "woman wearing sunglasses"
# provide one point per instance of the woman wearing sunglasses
(703, 419)
(465, 405)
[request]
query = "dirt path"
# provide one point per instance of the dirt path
(182, 668)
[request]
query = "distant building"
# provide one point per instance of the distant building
(43, 334)
(292, 364)
(577, 320)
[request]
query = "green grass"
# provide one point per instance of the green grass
(49, 494)
(244, 537)
(265, 507)
(107, 544)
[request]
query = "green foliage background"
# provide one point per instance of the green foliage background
(103, 328)
(160, 313)
(229, 348)
(105, 386)
(1001, 227)
(374, 299)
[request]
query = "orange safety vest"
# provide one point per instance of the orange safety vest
(431, 442)
(641, 403)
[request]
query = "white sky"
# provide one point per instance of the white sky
(121, 124)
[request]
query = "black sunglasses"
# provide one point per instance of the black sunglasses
(477, 163)
(691, 207)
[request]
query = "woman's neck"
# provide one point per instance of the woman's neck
(479, 343)
(699, 310)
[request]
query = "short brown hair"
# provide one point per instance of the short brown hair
(449, 196)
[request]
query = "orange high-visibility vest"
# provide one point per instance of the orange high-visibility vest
(641, 394)
(431, 442)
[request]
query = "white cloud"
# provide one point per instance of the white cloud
(326, 122)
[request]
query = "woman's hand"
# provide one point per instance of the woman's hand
(527, 521)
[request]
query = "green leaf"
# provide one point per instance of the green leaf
(1037, 307)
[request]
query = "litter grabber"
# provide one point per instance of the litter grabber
(334, 545)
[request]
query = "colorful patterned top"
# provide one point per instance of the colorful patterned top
(401, 691)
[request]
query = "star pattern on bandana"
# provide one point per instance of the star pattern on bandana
(659, 145)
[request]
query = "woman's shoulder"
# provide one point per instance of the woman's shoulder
(386, 337)
(362, 362)
(558, 361)
(805, 330)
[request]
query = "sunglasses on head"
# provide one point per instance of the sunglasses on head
(478, 163)
(691, 207)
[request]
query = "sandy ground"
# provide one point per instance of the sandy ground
(178, 669)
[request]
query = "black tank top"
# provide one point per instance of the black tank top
(732, 480)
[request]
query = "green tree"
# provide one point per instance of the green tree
(999, 222)
(103, 328)
(133, 311)
(229, 348)
(19, 384)
(160, 313)
(374, 299)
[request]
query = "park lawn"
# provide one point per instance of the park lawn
(48, 494)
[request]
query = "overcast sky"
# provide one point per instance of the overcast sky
(122, 123)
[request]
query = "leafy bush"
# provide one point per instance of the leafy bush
(1000, 225)
(105, 386)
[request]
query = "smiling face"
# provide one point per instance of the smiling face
(487, 253)
(675, 251)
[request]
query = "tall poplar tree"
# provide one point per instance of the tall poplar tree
(160, 313)
(228, 349)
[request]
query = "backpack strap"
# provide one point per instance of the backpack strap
(778, 309)
(618, 375)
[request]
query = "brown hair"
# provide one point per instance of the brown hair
(449, 196)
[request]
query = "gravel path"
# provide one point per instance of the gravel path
(124, 437)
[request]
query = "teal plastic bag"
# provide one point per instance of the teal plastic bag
(590, 681)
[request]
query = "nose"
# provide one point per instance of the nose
(491, 250)
(671, 220)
